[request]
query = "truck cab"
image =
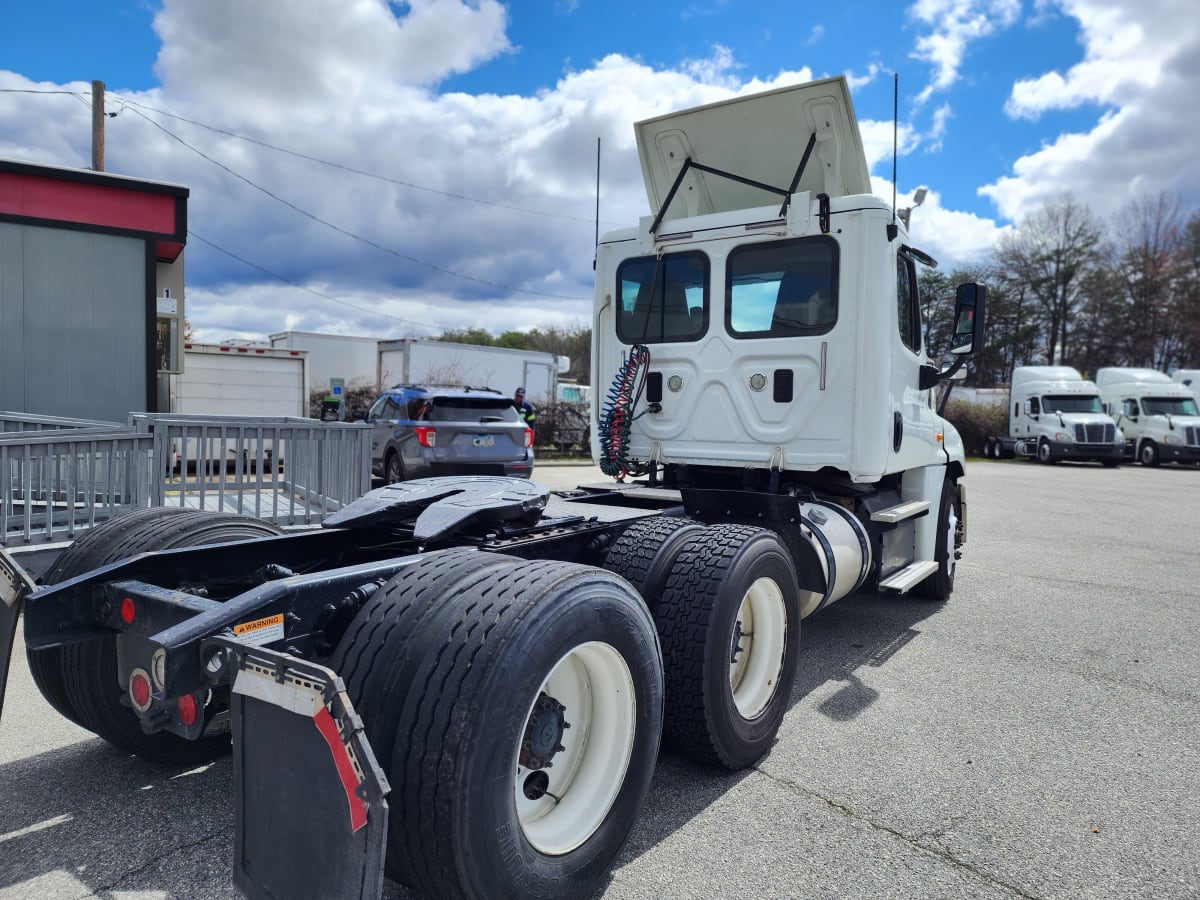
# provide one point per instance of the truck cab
(778, 330)
(1055, 414)
(1158, 415)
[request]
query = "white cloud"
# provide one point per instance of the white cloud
(952, 237)
(1123, 52)
(1141, 72)
(955, 25)
(320, 51)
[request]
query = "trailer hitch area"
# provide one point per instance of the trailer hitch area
(15, 583)
(311, 809)
(441, 507)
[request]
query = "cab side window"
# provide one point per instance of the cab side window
(1131, 408)
(1035, 406)
(907, 308)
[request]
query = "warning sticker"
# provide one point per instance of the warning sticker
(260, 631)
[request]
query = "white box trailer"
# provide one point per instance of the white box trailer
(1054, 414)
(1159, 416)
(231, 381)
(409, 361)
(348, 357)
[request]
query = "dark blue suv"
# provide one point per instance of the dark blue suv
(425, 430)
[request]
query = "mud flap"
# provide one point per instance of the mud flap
(15, 583)
(311, 814)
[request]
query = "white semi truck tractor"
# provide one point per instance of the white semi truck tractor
(504, 660)
(1055, 414)
(1157, 414)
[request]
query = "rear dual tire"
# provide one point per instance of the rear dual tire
(466, 669)
(729, 622)
(727, 609)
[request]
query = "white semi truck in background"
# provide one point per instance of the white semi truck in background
(1055, 414)
(1158, 415)
(505, 660)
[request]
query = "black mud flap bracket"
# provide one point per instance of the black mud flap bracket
(310, 796)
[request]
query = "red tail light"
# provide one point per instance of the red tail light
(528, 437)
(188, 710)
(426, 436)
(139, 690)
(128, 611)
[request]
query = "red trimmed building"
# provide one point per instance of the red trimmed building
(91, 289)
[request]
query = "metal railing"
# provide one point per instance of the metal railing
(289, 470)
(59, 476)
(12, 422)
(58, 482)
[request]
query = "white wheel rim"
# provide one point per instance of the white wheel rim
(594, 683)
(757, 649)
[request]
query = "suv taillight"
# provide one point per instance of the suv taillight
(528, 437)
(426, 436)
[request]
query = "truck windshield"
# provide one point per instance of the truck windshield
(782, 288)
(1070, 403)
(662, 299)
(1169, 406)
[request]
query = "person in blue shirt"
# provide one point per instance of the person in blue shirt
(525, 409)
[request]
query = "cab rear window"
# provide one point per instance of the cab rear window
(662, 299)
(782, 288)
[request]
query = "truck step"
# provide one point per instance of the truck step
(901, 511)
(909, 577)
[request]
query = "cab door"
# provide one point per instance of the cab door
(914, 435)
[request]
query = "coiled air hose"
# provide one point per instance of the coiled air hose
(616, 416)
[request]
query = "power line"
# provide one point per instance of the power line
(350, 234)
(32, 91)
(294, 284)
(356, 171)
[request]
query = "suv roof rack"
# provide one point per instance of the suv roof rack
(465, 388)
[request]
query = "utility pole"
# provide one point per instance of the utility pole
(98, 126)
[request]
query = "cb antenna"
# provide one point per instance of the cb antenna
(892, 230)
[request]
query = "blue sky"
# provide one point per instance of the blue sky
(479, 120)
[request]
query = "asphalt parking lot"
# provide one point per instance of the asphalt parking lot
(1036, 736)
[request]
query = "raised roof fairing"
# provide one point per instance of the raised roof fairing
(761, 137)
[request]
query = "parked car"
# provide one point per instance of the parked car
(425, 430)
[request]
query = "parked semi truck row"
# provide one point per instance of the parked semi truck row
(504, 661)
(1055, 414)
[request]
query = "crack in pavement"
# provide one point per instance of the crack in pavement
(171, 851)
(913, 843)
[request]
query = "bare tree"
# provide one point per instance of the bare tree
(1049, 255)
(1147, 265)
(1185, 318)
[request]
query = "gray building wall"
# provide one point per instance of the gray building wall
(73, 319)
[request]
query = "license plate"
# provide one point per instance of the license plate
(484, 440)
